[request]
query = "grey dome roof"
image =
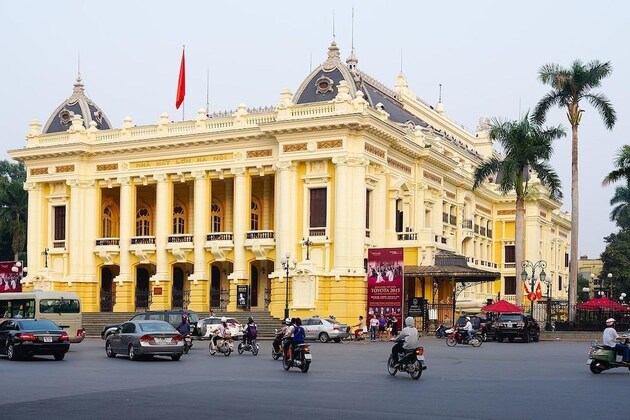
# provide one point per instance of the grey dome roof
(77, 104)
(321, 86)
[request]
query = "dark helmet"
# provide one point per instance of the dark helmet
(298, 321)
(292, 320)
(250, 320)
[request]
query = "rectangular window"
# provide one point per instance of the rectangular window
(559, 282)
(60, 223)
(399, 215)
(510, 285)
(318, 206)
(566, 260)
(368, 197)
(510, 254)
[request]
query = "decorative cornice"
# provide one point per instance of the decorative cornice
(399, 165)
(483, 209)
(295, 147)
(506, 212)
(39, 171)
(432, 177)
(329, 144)
(259, 153)
(374, 150)
(107, 167)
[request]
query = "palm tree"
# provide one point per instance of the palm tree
(568, 88)
(622, 165)
(13, 204)
(526, 145)
(620, 213)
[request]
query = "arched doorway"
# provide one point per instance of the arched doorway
(178, 288)
(253, 292)
(143, 294)
(108, 289)
(215, 288)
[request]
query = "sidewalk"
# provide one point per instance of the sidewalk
(571, 335)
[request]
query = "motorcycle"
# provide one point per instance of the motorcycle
(224, 345)
(460, 336)
(442, 331)
(276, 346)
(410, 361)
(187, 343)
(301, 358)
(601, 358)
(249, 345)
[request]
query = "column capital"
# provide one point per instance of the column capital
(32, 186)
(124, 181)
(237, 171)
(161, 178)
(199, 175)
(283, 165)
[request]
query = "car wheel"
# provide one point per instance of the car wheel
(176, 357)
(11, 354)
(536, 338)
(59, 356)
(499, 339)
(337, 340)
(391, 369)
(526, 337)
(132, 353)
(323, 337)
(108, 349)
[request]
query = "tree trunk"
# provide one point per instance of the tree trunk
(519, 250)
(575, 213)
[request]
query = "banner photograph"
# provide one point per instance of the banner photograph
(9, 279)
(385, 282)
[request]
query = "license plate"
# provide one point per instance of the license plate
(47, 339)
(160, 340)
(589, 361)
(421, 358)
(308, 357)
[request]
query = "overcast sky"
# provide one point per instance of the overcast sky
(486, 54)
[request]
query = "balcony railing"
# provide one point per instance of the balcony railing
(220, 236)
(507, 266)
(143, 240)
(407, 236)
(260, 234)
(108, 242)
(178, 239)
(467, 224)
(319, 231)
(59, 244)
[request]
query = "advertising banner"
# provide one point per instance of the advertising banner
(385, 282)
(242, 296)
(9, 280)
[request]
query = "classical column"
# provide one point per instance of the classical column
(342, 228)
(241, 219)
(124, 287)
(200, 228)
(78, 224)
(266, 203)
(35, 244)
(355, 207)
(163, 220)
(92, 221)
(282, 205)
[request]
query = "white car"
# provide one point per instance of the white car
(207, 325)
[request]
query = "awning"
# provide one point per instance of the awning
(448, 264)
(502, 306)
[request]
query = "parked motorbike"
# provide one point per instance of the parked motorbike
(301, 358)
(224, 346)
(410, 361)
(460, 336)
(601, 358)
(187, 343)
(249, 345)
(442, 331)
(276, 346)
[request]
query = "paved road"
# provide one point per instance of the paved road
(346, 381)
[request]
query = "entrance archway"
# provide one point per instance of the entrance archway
(108, 289)
(143, 293)
(253, 292)
(215, 287)
(177, 301)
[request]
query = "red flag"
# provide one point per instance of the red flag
(181, 83)
(538, 291)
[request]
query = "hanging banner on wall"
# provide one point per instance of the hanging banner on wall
(385, 282)
(9, 279)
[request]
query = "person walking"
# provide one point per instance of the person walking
(373, 327)
(381, 326)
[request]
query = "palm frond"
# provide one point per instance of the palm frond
(602, 104)
(540, 111)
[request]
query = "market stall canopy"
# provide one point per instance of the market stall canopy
(502, 306)
(449, 264)
(601, 303)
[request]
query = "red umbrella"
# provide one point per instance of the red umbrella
(601, 303)
(502, 306)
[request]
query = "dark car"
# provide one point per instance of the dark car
(172, 316)
(145, 338)
(29, 337)
(516, 325)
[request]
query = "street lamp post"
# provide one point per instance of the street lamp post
(287, 265)
(586, 291)
(533, 266)
(622, 297)
(609, 276)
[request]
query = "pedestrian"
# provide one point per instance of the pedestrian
(388, 327)
(448, 323)
(381, 327)
(373, 327)
(394, 326)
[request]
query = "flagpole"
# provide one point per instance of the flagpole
(184, 101)
(181, 84)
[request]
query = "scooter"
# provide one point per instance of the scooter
(301, 358)
(224, 345)
(276, 346)
(187, 343)
(249, 345)
(442, 331)
(601, 358)
(460, 336)
(410, 361)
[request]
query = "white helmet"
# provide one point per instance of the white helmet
(224, 319)
(409, 321)
(610, 321)
(287, 321)
(467, 318)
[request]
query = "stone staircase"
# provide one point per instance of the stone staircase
(93, 322)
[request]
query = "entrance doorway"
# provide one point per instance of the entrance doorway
(215, 288)
(143, 294)
(253, 292)
(108, 290)
(177, 301)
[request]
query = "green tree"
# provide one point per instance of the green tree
(13, 205)
(568, 88)
(526, 145)
(616, 260)
(622, 167)
(620, 214)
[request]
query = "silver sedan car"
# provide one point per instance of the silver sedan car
(324, 329)
(145, 338)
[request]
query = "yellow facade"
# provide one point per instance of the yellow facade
(181, 213)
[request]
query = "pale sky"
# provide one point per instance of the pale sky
(486, 54)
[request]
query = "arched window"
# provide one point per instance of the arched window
(107, 223)
(254, 223)
(178, 221)
(143, 222)
(216, 217)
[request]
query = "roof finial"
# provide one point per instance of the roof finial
(440, 96)
(401, 61)
(78, 65)
(352, 59)
(352, 32)
(333, 25)
(440, 106)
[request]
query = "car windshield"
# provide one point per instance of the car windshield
(156, 327)
(510, 317)
(32, 325)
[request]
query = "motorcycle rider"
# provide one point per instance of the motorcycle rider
(298, 334)
(288, 338)
(468, 328)
(250, 331)
(611, 338)
(184, 326)
(277, 342)
(221, 332)
(407, 339)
